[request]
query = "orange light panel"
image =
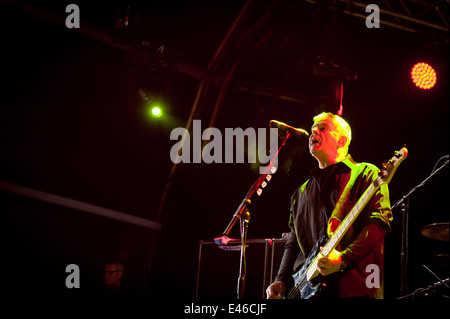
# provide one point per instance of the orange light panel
(423, 76)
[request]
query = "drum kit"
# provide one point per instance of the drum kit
(439, 232)
(436, 232)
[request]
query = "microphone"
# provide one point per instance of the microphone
(298, 132)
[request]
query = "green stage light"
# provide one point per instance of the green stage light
(156, 111)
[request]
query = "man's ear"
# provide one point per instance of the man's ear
(342, 141)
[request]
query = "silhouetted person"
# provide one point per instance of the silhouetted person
(113, 273)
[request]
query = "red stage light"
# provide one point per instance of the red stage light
(423, 76)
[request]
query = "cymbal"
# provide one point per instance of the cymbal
(438, 231)
(439, 260)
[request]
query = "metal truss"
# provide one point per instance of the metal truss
(429, 18)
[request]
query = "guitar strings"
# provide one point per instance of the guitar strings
(296, 290)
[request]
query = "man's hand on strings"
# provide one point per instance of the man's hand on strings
(276, 290)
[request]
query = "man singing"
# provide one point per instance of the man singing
(315, 213)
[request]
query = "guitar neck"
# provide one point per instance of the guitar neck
(349, 219)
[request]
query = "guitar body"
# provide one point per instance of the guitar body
(303, 288)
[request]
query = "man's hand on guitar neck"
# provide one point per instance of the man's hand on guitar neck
(330, 264)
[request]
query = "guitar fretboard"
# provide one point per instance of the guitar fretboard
(349, 219)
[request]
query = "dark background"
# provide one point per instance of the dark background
(73, 124)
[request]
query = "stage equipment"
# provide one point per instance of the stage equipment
(156, 111)
(217, 267)
(404, 204)
(427, 291)
(243, 214)
(298, 132)
(439, 261)
(337, 73)
(423, 76)
(276, 254)
(438, 231)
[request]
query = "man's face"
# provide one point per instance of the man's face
(324, 139)
(112, 275)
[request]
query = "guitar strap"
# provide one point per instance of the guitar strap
(338, 211)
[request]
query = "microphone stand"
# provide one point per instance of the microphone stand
(243, 214)
(405, 215)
